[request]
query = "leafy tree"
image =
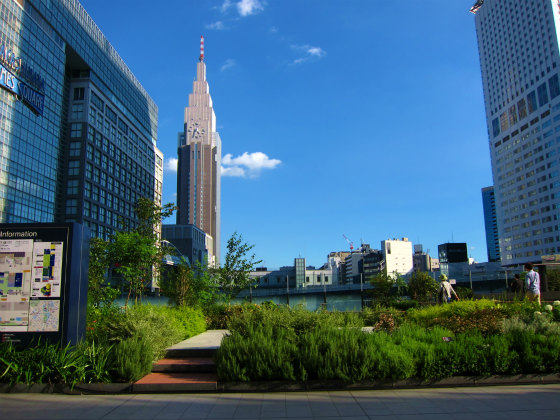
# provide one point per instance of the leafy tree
(233, 276)
(134, 257)
(99, 291)
(188, 286)
(136, 253)
(421, 286)
(382, 284)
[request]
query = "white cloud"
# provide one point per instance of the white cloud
(235, 171)
(249, 7)
(230, 62)
(244, 7)
(171, 164)
(310, 53)
(248, 164)
(273, 29)
(226, 5)
(218, 26)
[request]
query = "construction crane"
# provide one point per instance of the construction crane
(349, 243)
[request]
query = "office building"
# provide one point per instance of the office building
(398, 256)
(421, 261)
(77, 130)
(200, 154)
(518, 44)
(453, 258)
(298, 276)
(491, 224)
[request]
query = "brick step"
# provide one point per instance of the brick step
(176, 382)
(192, 364)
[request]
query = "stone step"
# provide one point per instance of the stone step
(190, 352)
(176, 382)
(192, 364)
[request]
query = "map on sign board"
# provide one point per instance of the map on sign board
(30, 285)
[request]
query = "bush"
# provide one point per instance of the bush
(41, 363)
(382, 317)
(265, 353)
(133, 358)
(351, 355)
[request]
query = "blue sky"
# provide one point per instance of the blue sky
(356, 117)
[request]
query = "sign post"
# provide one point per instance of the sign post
(43, 282)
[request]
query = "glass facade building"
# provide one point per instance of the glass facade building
(518, 43)
(77, 130)
(490, 224)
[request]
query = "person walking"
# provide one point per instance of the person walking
(532, 283)
(446, 290)
(516, 285)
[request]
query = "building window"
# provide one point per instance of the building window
(75, 149)
(72, 187)
(71, 206)
(77, 111)
(79, 94)
(76, 130)
(74, 168)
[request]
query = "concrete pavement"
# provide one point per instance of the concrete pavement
(496, 402)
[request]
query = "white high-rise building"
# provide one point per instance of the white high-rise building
(518, 42)
(398, 256)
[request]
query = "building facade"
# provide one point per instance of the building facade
(78, 132)
(519, 52)
(491, 224)
(199, 154)
(297, 276)
(398, 256)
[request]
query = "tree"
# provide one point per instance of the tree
(136, 254)
(421, 286)
(382, 284)
(134, 257)
(233, 276)
(99, 291)
(187, 286)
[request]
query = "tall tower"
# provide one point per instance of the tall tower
(519, 58)
(200, 154)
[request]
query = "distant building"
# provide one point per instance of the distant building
(453, 257)
(189, 241)
(398, 256)
(491, 224)
(199, 158)
(298, 276)
(421, 261)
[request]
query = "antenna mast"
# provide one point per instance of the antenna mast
(201, 58)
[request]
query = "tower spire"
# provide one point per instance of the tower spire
(201, 58)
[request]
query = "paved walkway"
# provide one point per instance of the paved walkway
(499, 402)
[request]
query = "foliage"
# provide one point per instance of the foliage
(422, 286)
(384, 318)
(382, 284)
(233, 276)
(553, 279)
(264, 353)
(296, 319)
(43, 362)
(133, 358)
(99, 292)
(134, 256)
(188, 286)
(464, 293)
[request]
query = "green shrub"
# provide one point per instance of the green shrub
(41, 363)
(382, 317)
(264, 353)
(132, 358)
(351, 355)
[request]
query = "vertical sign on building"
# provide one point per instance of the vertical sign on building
(43, 282)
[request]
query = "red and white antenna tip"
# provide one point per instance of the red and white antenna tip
(201, 58)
